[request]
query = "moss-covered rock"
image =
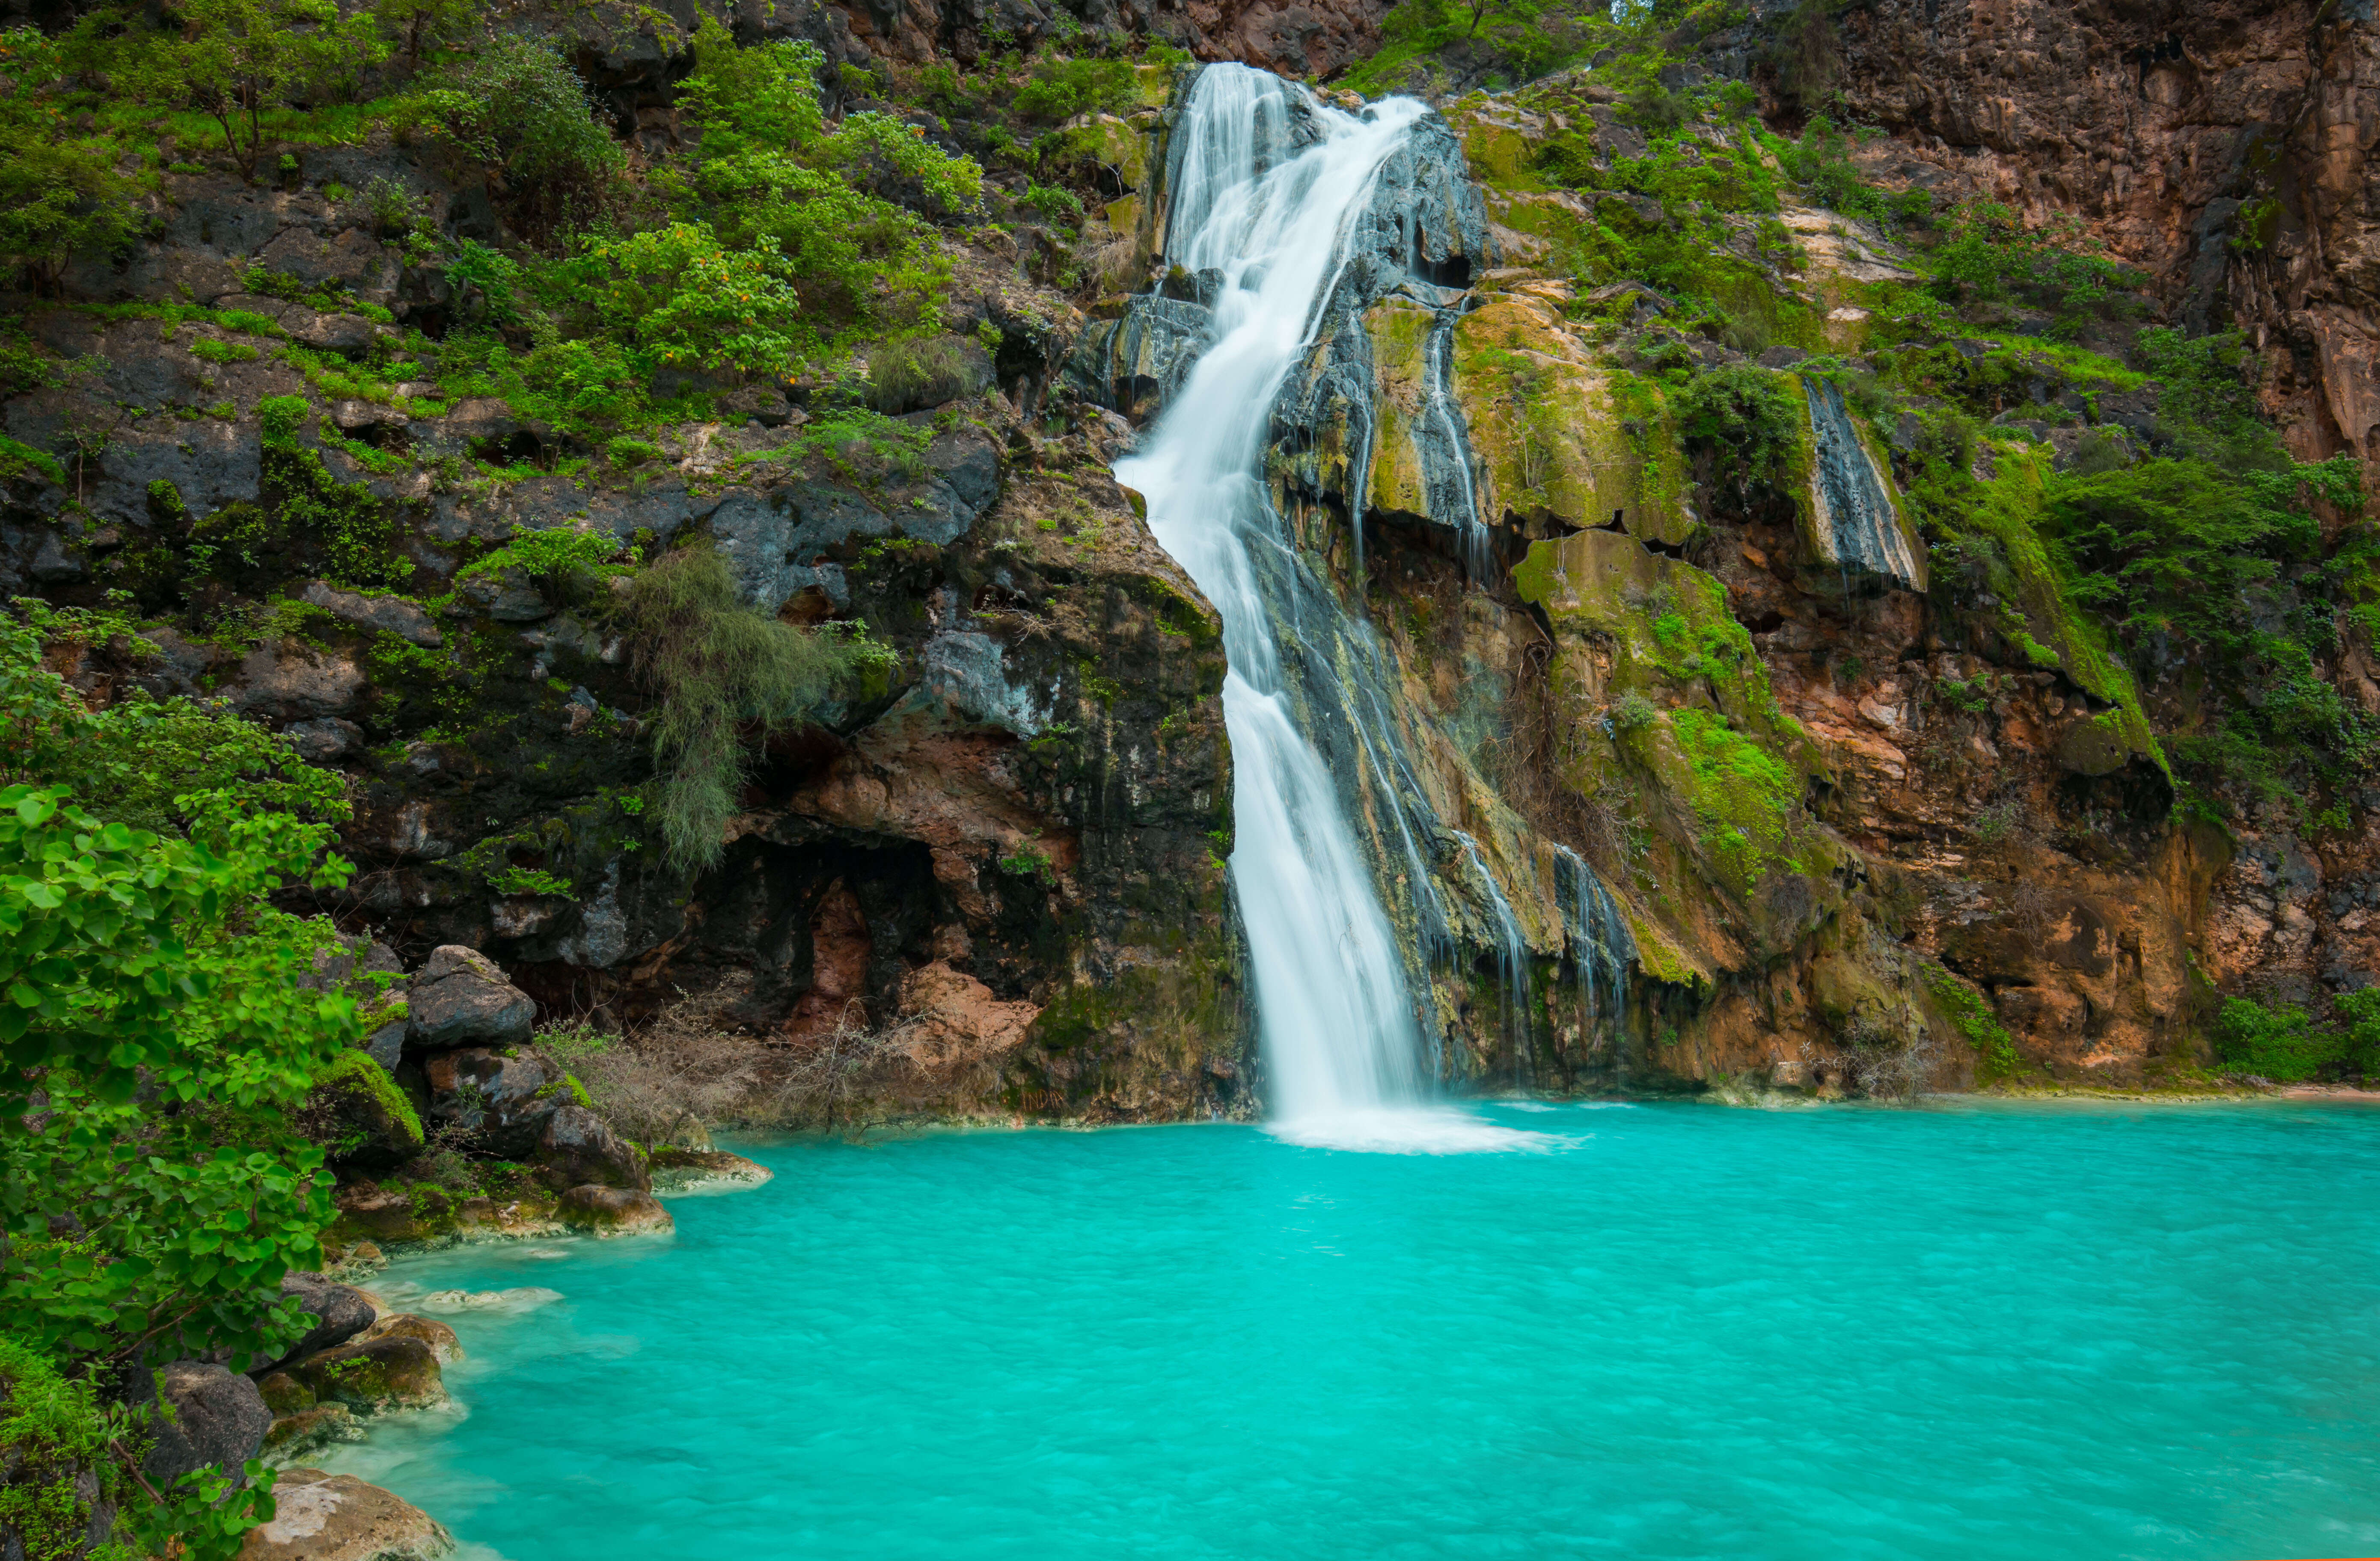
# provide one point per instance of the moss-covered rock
(394, 1371)
(359, 1116)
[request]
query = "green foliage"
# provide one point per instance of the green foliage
(552, 555)
(16, 457)
(715, 664)
(1742, 796)
(746, 100)
(233, 60)
(152, 998)
(627, 451)
(910, 373)
(531, 881)
(61, 192)
(1987, 254)
(2284, 1046)
(516, 105)
(210, 349)
(683, 296)
(1996, 1059)
(1053, 203)
(1745, 415)
(1059, 89)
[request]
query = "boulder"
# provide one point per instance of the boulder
(390, 614)
(359, 1116)
(319, 1516)
(396, 1371)
(613, 1211)
(428, 1330)
(578, 1149)
(289, 681)
(340, 1312)
(459, 998)
(699, 1170)
(503, 1103)
(217, 1419)
(324, 738)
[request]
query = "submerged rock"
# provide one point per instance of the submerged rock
(320, 1517)
(428, 1330)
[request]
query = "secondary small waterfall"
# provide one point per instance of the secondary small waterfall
(1268, 183)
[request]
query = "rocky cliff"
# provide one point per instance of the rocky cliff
(1737, 705)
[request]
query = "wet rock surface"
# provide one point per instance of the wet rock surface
(320, 1517)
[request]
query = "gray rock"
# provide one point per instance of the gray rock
(353, 260)
(506, 595)
(332, 332)
(502, 1103)
(390, 614)
(386, 1043)
(209, 464)
(216, 1417)
(289, 681)
(578, 1149)
(340, 1312)
(459, 998)
(324, 738)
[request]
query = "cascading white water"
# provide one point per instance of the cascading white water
(1341, 1042)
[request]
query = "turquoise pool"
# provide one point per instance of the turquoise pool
(1965, 1331)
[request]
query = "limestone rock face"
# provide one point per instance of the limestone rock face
(320, 1517)
(460, 997)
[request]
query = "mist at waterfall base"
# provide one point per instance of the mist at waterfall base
(1342, 1044)
(1972, 1333)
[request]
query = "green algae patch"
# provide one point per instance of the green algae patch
(1399, 332)
(1965, 1009)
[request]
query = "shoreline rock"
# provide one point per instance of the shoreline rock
(322, 1516)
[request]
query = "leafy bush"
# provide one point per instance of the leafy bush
(715, 664)
(686, 297)
(1988, 254)
(234, 60)
(1060, 90)
(1745, 413)
(60, 193)
(155, 1199)
(1052, 203)
(2279, 1043)
(517, 106)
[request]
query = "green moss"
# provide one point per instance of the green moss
(16, 458)
(54, 1434)
(354, 1074)
(1995, 1055)
(2047, 626)
(1744, 799)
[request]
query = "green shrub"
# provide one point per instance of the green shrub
(517, 106)
(1061, 90)
(1053, 203)
(1745, 413)
(683, 296)
(627, 451)
(906, 375)
(60, 194)
(2279, 1043)
(212, 350)
(714, 664)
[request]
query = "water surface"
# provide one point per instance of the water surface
(1965, 1332)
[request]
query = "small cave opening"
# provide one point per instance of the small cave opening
(1452, 272)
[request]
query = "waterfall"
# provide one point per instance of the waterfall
(1269, 183)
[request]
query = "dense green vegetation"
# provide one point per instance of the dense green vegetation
(153, 1038)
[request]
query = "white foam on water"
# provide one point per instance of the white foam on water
(1413, 1130)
